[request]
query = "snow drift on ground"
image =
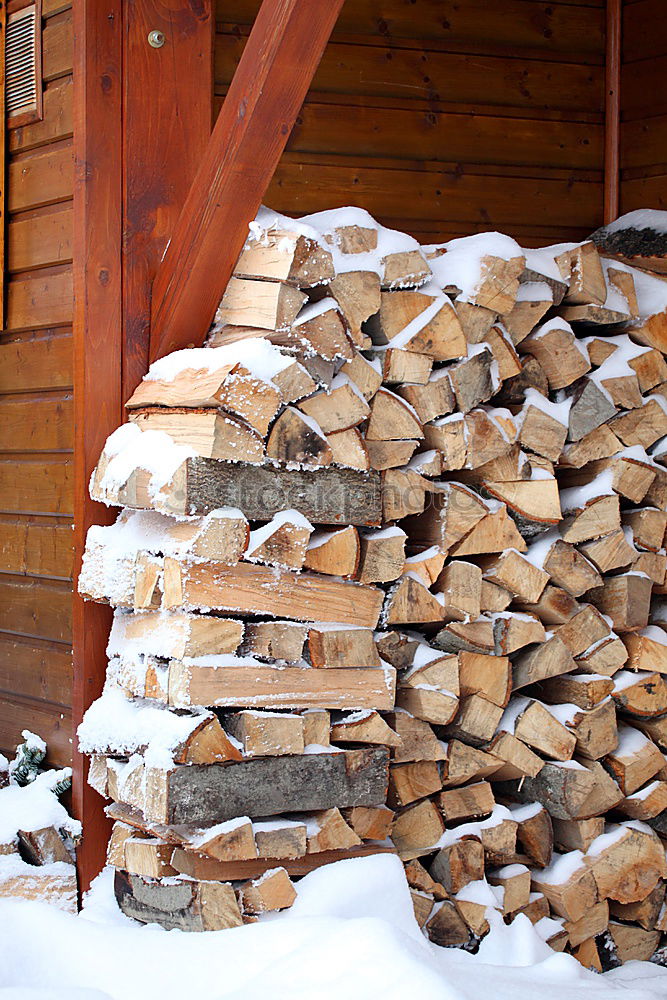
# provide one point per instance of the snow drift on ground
(351, 934)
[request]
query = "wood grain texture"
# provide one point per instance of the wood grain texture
(275, 71)
(40, 240)
(40, 300)
(267, 786)
(643, 107)
(39, 178)
(52, 722)
(35, 547)
(56, 124)
(36, 486)
(36, 423)
(377, 67)
(476, 101)
(172, 139)
(325, 496)
(35, 607)
(39, 360)
(97, 351)
(512, 25)
(45, 668)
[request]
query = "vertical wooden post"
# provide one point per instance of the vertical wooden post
(167, 108)
(268, 88)
(612, 116)
(97, 351)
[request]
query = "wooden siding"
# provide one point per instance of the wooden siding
(445, 118)
(36, 425)
(644, 106)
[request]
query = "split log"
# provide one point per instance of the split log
(282, 593)
(266, 734)
(272, 891)
(337, 646)
(268, 786)
(280, 687)
(269, 305)
(182, 904)
(293, 438)
(334, 553)
(209, 433)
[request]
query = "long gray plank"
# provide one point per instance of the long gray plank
(267, 786)
(326, 496)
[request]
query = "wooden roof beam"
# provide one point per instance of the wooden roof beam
(266, 93)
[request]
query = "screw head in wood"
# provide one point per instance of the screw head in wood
(156, 39)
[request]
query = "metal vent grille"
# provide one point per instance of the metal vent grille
(21, 77)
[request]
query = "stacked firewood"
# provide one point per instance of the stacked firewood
(38, 838)
(389, 575)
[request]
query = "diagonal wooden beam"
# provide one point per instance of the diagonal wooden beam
(269, 86)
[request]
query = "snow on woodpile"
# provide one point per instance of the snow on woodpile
(351, 932)
(639, 236)
(388, 580)
(37, 835)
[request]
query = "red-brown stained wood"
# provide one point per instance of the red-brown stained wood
(275, 71)
(97, 353)
(167, 109)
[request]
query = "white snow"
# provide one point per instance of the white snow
(534, 291)
(351, 933)
(542, 261)
(314, 309)
(655, 634)
(630, 742)
(458, 264)
(537, 553)
(261, 534)
(134, 449)
(113, 724)
(389, 241)
(559, 411)
(34, 806)
(259, 356)
(641, 218)
(219, 830)
(577, 497)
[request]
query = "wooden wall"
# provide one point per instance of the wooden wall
(36, 413)
(445, 117)
(644, 106)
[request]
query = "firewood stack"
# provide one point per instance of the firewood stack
(390, 571)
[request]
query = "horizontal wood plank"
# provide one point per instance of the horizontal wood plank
(644, 192)
(36, 668)
(35, 549)
(38, 608)
(419, 73)
(36, 487)
(641, 92)
(41, 240)
(644, 142)
(57, 43)
(56, 124)
(476, 24)
(41, 360)
(428, 135)
(36, 423)
(40, 300)
(641, 36)
(298, 189)
(52, 722)
(40, 178)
